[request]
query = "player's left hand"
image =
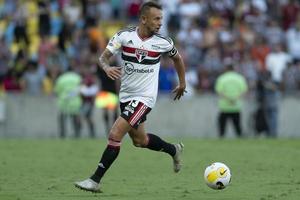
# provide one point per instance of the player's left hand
(179, 92)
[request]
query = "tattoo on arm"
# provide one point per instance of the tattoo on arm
(104, 59)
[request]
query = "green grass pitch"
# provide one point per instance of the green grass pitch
(263, 169)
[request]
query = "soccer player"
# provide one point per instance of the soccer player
(141, 48)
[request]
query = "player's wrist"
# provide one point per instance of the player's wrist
(105, 68)
(182, 85)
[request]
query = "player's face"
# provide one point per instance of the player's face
(153, 20)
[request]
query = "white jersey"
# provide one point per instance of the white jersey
(141, 63)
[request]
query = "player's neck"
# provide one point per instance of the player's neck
(143, 33)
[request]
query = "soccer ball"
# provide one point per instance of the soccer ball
(217, 176)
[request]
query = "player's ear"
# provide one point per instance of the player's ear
(143, 19)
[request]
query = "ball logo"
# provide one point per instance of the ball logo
(222, 172)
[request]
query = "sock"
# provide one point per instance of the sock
(108, 157)
(155, 143)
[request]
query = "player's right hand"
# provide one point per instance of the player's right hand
(179, 92)
(113, 72)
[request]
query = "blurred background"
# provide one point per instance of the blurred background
(41, 40)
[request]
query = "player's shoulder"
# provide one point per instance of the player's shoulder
(164, 38)
(126, 30)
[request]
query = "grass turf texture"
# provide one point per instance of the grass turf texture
(46, 169)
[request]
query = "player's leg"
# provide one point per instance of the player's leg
(236, 119)
(135, 112)
(272, 121)
(106, 120)
(222, 123)
(119, 129)
(76, 124)
(153, 142)
(62, 124)
(89, 119)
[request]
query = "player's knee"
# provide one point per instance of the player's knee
(136, 144)
(139, 142)
(115, 133)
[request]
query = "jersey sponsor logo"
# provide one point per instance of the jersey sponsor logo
(129, 69)
(155, 47)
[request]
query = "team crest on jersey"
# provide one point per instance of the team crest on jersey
(140, 54)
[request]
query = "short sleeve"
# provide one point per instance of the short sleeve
(172, 51)
(115, 43)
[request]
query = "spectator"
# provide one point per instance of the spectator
(259, 52)
(88, 91)
(48, 84)
(290, 12)
(267, 113)
(20, 32)
(11, 81)
(32, 79)
(293, 41)
(291, 78)
(44, 18)
(57, 60)
(133, 10)
(192, 45)
(274, 33)
(67, 89)
(248, 69)
(276, 62)
(5, 57)
(230, 87)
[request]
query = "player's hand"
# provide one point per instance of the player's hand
(179, 92)
(113, 72)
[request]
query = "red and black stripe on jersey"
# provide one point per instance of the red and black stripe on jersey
(133, 58)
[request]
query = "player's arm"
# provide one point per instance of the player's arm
(179, 66)
(111, 71)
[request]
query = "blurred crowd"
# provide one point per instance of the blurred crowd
(41, 39)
